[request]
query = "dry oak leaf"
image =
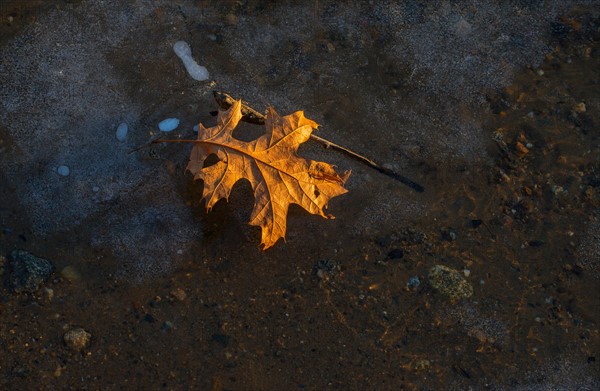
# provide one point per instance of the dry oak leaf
(278, 176)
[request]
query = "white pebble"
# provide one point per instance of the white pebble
(195, 128)
(63, 170)
(168, 124)
(122, 132)
(184, 52)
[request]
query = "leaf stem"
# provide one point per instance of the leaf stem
(225, 101)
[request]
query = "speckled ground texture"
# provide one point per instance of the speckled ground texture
(493, 106)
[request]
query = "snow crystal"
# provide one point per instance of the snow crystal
(122, 132)
(183, 51)
(63, 170)
(168, 124)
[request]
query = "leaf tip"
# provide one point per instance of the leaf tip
(345, 176)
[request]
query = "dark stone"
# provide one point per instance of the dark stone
(221, 339)
(148, 318)
(28, 272)
(384, 241)
(325, 265)
(560, 30)
(476, 223)
(396, 253)
(449, 234)
(592, 180)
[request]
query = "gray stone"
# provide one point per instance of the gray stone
(449, 282)
(77, 338)
(28, 272)
(462, 27)
(70, 274)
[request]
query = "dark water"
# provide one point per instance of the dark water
(492, 107)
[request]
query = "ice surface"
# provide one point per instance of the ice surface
(184, 52)
(61, 87)
(168, 124)
(406, 72)
(382, 79)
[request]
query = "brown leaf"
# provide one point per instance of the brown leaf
(278, 176)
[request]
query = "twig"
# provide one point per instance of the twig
(250, 115)
(153, 141)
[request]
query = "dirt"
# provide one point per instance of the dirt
(177, 298)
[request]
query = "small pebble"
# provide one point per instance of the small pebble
(196, 127)
(466, 272)
(168, 124)
(63, 170)
(77, 339)
(579, 108)
(70, 274)
(122, 132)
(413, 282)
(463, 28)
(231, 19)
(49, 293)
(95, 189)
(540, 72)
(421, 364)
(179, 294)
(521, 149)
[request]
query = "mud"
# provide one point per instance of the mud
(492, 107)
